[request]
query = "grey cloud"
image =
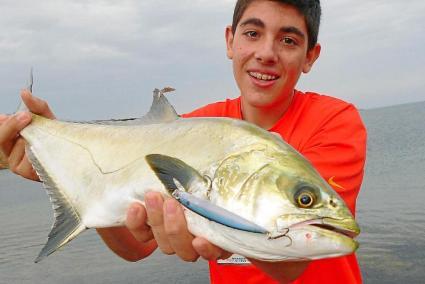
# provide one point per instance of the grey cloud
(99, 59)
(371, 52)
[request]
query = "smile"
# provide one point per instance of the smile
(261, 76)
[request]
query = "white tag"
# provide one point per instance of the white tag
(234, 259)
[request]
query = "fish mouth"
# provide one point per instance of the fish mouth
(347, 233)
(346, 227)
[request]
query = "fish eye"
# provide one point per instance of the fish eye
(305, 198)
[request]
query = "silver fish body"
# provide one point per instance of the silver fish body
(94, 171)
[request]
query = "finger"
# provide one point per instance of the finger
(18, 162)
(179, 236)
(16, 154)
(9, 130)
(26, 170)
(3, 118)
(154, 205)
(136, 223)
(36, 105)
(209, 251)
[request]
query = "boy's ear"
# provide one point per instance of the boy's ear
(229, 42)
(312, 56)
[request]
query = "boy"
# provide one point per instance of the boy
(270, 44)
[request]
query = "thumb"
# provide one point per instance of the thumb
(36, 105)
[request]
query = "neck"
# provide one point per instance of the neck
(265, 117)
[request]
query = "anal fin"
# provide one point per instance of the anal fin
(67, 224)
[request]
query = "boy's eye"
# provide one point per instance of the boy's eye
(251, 34)
(288, 41)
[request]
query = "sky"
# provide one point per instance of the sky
(101, 59)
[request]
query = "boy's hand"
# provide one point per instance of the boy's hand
(168, 226)
(11, 144)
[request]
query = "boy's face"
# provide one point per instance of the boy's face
(269, 52)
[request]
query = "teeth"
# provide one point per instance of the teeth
(264, 77)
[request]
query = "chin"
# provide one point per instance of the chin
(261, 100)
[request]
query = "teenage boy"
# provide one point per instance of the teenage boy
(271, 43)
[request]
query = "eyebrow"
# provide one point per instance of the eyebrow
(292, 30)
(259, 23)
(253, 21)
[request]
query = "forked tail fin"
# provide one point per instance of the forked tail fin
(67, 224)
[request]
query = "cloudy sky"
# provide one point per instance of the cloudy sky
(102, 58)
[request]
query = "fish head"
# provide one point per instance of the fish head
(312, 214)
(283, 193)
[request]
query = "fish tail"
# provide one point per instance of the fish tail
(68, 223)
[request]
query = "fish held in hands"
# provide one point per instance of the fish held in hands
(245, 189)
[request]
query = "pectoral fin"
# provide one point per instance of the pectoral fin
(169, 170)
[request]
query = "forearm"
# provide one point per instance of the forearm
(284, 272)
(123, 243)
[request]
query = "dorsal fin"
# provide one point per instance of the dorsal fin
(161, 111)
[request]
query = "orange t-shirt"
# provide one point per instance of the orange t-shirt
(331, 135)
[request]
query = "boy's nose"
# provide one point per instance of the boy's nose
(266, 52)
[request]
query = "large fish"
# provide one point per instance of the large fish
(246, 189)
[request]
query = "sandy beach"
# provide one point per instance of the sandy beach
(390, 213)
